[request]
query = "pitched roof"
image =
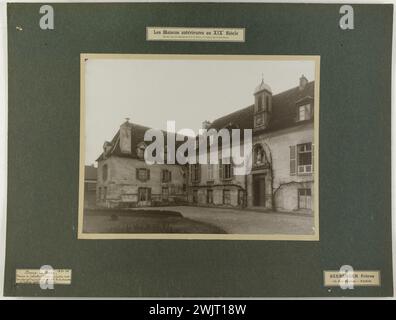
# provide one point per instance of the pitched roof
(137, 136)
(90, 173)
(283, 111)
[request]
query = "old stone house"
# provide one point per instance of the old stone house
(281, 176)
(126, 180)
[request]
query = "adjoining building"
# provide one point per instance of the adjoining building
(281, 177)
(90, 177)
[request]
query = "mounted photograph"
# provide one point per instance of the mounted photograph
(216, 147)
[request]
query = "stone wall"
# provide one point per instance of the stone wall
(122, 185)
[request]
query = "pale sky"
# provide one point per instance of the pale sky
(150, 92)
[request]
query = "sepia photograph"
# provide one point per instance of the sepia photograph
(199, 147)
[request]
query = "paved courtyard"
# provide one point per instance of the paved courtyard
(237, 221)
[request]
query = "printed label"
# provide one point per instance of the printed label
(195, 34)
(335, 278)
(34, 276)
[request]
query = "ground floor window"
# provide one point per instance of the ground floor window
(304, 198)
(241, 197)
(165, 193)
(195, 196)
(144, 194)
(226, 197)
(209, 196)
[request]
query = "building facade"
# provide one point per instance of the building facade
(281, 177)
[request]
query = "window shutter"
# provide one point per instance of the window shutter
(220, 170)
(148, 174)
(149, 194)
(293, 160)
(313, 154)
(232, 168)
(137, 173)
(170, 176)
(199, 172)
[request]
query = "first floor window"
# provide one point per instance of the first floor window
(195, 173)
(226, 171)
(210, 171)
(166, 176)
(304, 158)
(143, 174)
(226, 197)
(304, 198)
(209, 196)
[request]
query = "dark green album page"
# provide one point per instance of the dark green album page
(349, 203)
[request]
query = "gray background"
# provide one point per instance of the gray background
(43, 152)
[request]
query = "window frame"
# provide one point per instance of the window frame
(227, 191)
(142, 179)
(307, 111)
(306, 168)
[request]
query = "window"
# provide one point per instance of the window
(105, 172)
(304, 112)
(241, 197)
(260, 103)
(165, 193)
(195, 172)
(142, 174)
(166, 176)
(210, 171)
(195, 196)
(226, 197)
(99, 193)
(209, 196)
(304, 199)
(144, 194)
(226, 171)
(104, 193)
(267, 103)
(304, 158)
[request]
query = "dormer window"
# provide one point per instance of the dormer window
(304, 112)
(140, 150)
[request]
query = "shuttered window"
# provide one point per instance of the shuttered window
(293, 162)
(304, 158)
(142, 174)
(195, 173)
(166, 176)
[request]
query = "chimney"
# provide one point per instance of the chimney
(303, 82)
(125, 137)
(206, 124)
